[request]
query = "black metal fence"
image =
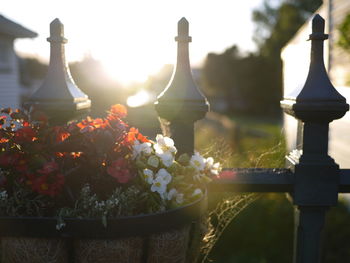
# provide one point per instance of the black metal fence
(311, 177)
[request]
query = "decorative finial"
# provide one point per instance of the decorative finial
(318, 94)
(182, 31)
(318, 29)
(58, 96)
(56, 32)
(181, 104)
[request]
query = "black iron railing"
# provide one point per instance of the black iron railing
(311, 176)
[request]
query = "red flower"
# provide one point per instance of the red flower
(49, 185)
(119, 170)
(119, 111)
(8, 160)
(21, 165)
(25, 134)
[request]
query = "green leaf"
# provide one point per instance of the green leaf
(104, 220)
(141, 164)
(184, 159)
(153, 161)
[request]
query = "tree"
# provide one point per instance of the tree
(344, 34)
(280, 23)
(252, 83)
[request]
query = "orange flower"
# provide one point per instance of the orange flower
(2, 137)
(133, 135)
(60, 134)
(3, 140)
(119, 110)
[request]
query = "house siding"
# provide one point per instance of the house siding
(9, 77)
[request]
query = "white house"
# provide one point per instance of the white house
(10, 89)
(296, 58)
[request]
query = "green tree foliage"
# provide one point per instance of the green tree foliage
(29, 69)
(244, 82)
(280, 23)
(252, 83)
(344, 34)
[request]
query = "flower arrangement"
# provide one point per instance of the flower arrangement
(92, 168)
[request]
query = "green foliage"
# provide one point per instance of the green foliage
(337, 234)
(247, 83)
(344, 34)
(31, 68)
(252, 83)
(277, 23)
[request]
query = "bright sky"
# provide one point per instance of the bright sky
(134, 38)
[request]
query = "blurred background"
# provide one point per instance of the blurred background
(124, 52)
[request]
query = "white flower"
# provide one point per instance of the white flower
(148, 175)
(209, 162)
(60, 225)
(198, 162)
(215, 168)
(167, 158)
(159, 186)
(172, 193)
(164, 175)
(164, 144)
(139, 148)
(197, 192)
(179, 198)
(3, 195)
(153, 161)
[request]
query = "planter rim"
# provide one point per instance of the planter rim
(126, 226)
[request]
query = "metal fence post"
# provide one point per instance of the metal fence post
(316, 173)
(181, 104)
(58, 96)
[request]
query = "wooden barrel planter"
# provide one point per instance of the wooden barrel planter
(170, 236)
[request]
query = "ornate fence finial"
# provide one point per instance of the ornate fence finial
(316, 175)
(58, 96)
(181, 104)
(318, 100)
